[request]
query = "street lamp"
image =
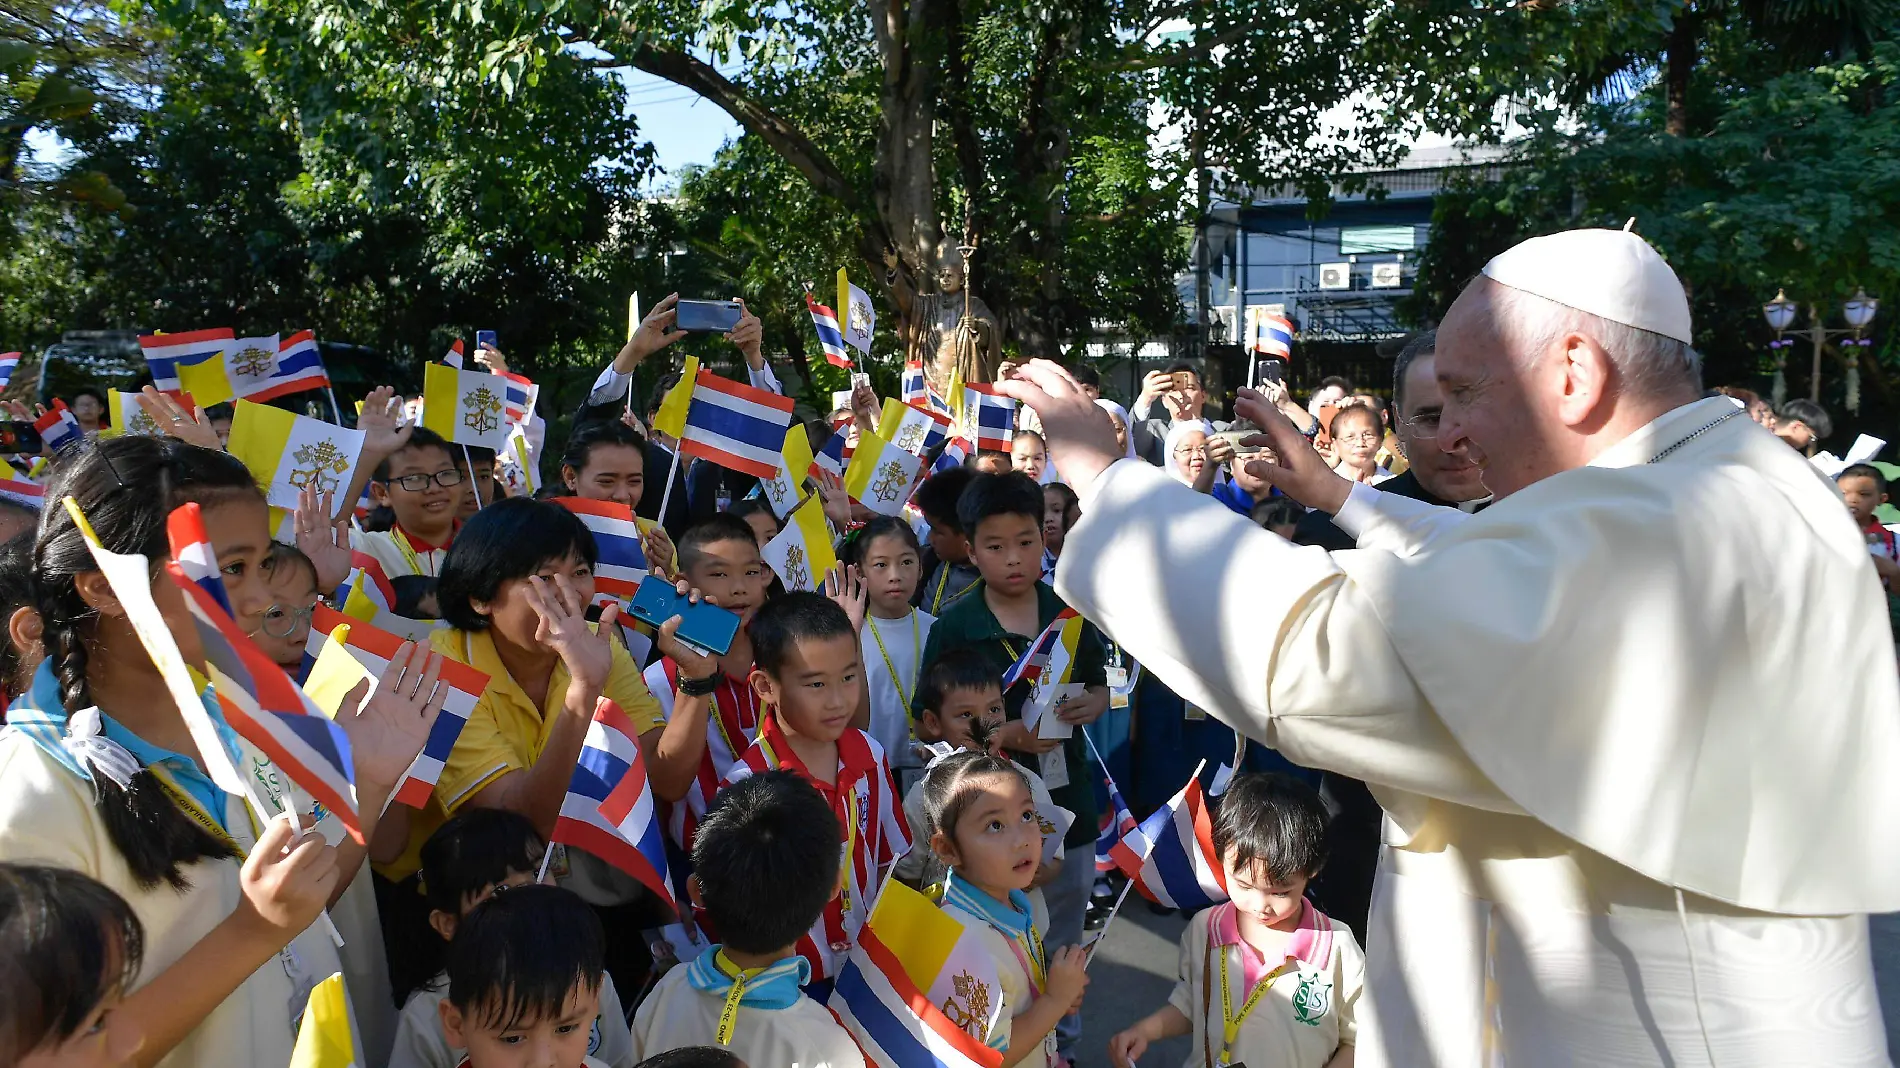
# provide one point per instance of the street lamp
(1858, 311)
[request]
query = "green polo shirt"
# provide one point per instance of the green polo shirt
(970, 623)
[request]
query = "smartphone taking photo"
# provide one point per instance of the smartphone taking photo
(707, 316)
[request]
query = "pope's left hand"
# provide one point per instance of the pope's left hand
(1086, 709)
(1080, 437)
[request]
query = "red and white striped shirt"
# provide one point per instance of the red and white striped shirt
(875, 834)
(731, 724)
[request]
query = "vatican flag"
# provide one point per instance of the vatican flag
(327, 1038)
(671, 418)
(126, 417)
(785, 489)
(881, 475)
(857, 318)
(465, 406)
(243, 369)
(286, 452)
(802, 553)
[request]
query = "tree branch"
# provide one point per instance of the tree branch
(1176, 57)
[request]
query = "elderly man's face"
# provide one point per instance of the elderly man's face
(1500, 404)
(1446, 473)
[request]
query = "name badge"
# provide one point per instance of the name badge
(1117, 678)
(1055, 769)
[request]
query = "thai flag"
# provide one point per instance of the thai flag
(623, 559)
(453, 357)
(914, 388)
(8, 361)
(299, 367)
(1035, 659)
(830, 338)
(57, 427)
(367, 582)
(372, 648)
(609, 809)
(1274, 337)
(21, 491)
(522, 393)
(192, 552)
(1170, 855)
(1116, 823)
(894, 1022)
(953, 455)
(259, 700)
(736, 426)
(989, 415)
(165, 353)
(832, 457)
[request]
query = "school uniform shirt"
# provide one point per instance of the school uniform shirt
(865, 801)
(731, 724)
(506, 732)
(944, 584)
(776, 1024)
(1880, 540)
(1012, 935)
(1300, 1021)
(921, 868)
(420, 1042)
(893, 650)
(47, 817)
(411, 564)
(970, 623)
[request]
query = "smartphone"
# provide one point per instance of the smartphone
(707, 627)
(19, 435)
(1272, 371)
(709, 316)
(485, 337)
(1183, 380)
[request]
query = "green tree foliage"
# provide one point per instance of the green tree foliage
(59, 62)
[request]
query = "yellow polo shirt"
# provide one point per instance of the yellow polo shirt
(506, 731)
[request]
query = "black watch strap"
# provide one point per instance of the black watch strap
(702, 687)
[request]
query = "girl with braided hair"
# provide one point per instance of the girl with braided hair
(99, 772)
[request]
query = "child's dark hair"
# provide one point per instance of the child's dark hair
(1272, 819)
(953, 783)
(960, 668)
(937, 497)
(289, 556)
(595, 432)
(509, 539)
(1864, 471)
(693, 1057)
(1085, 375)
(748, 506)
(68, 941)
(517, 957)
(420, 437)
(472, 454)
(711, 531)
(817, 433)
(17, 591)
(766, 857)
(475, 849)
(784, 621)
(989, 496)
(884, 526)
(127, 488)
(1277, 511)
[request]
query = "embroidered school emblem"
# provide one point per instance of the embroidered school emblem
(1312, 999)
(968, 1005)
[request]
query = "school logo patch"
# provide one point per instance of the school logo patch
(1312, 999)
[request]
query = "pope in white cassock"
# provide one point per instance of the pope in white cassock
(1635, 726)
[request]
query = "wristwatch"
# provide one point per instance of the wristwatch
(702, 687)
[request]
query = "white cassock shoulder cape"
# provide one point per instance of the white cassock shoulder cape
(1685, 667)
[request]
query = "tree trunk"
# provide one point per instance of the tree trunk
(910, 38)
(1681, 53)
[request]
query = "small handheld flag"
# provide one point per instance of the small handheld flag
(860, 316)
(299, 367)
(465, 407)
(243, 369)
(1035, 660)
(914, 429)
(165, 353)
(831, 459)
(453, 357)
(881, 475)
(1170, 856)
(127, 417)
(736, 426)
(786, 487)
(518, 406)
(22, 491)
(670, 419)
(326, 1038)
(910, 958)
(913, 387)
(8, 361)
(1269, 334)
(829, 338)
(609, 809)
(622, 563)
(369, 596)
(58, 428)
(989, 416)
(953, 455)
(286, 451)
(801, 554)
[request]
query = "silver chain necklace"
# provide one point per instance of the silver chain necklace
(1705, 428)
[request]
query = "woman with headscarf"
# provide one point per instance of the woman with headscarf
(1193, 458)
(1118, 415)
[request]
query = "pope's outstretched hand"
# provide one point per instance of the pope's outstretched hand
(1080, 437)
(1300, 471)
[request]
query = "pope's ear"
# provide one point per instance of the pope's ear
(97, 593)
(1588, 376)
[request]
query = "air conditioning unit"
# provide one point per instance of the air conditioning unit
(1335, 276)
(1388, 275)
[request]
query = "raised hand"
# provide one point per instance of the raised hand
(286, 881)
(1298, 470)
(654, 333)
(747, 334)
(490, 357)
(175, 422)
(836, 502)
(381, 424)
(588, 654)
(845, 586)
(1080, 436)
(326, 541)
(659, 549)
(692, 664)
(389, 729)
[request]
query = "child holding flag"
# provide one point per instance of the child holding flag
(606, 460)
(984, 828)
(1265, 977)
(808, 675)
(764, 867)
(886, 554)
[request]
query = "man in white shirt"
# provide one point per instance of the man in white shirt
(1632, 725)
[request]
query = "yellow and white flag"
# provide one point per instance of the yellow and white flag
(802, 552)
(516, 464)
(881, 475)
(126, 417)
(243, 369)
(465, 407)
(912, 429)
(785, 489)
(671, 418)
(857, 317)
(286, 451)
(327, 1038)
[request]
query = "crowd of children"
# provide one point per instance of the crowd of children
(845, 737)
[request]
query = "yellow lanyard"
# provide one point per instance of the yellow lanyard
(408, 552)
(729, 1015)
(917, 645)
(1230, 1024)
(196, 813)
(943, 582)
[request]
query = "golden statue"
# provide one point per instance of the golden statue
(956, 332)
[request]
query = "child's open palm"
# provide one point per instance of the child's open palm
(588, 654)
(389, 729)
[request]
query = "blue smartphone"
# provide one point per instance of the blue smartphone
(707, 316)
(485, 337)
(706, 627)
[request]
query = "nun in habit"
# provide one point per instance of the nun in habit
(1633, 725)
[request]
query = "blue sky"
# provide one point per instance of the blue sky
(684, 128)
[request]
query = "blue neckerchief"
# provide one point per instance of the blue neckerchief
(40, 715)
(1014, 920)
(777, 987)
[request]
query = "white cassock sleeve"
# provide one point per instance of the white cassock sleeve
(1392, 523)
(1274, 638)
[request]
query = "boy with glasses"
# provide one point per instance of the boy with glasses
(286, 625)
(422, 484)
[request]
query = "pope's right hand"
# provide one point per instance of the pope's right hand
(1299, 471)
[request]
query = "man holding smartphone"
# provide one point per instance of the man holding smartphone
(1180, 392)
